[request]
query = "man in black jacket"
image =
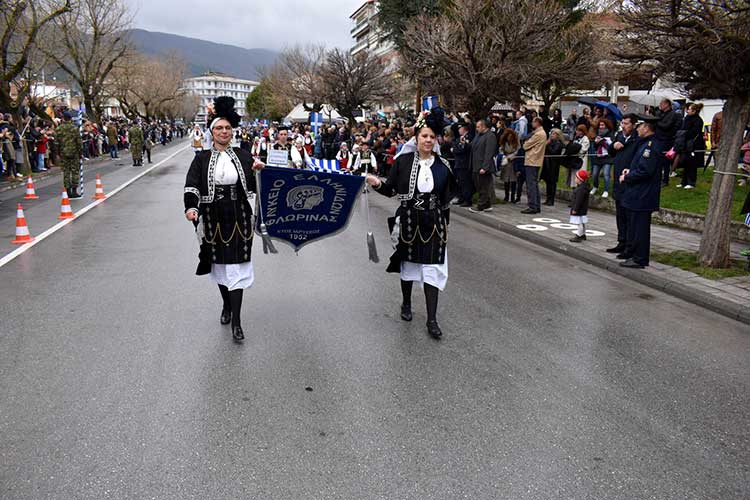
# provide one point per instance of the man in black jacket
(622, 149)
(483, 151)
(666, 130)
(462, 154)
(641, 198)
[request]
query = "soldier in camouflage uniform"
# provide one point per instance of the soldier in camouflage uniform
(71, 148)
(135, 138)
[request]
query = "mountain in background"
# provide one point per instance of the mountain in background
(202, 56)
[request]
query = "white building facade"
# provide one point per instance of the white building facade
(367, 34)
(212, 85)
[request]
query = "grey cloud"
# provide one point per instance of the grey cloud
(251, 24)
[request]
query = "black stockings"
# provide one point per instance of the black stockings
(232, 302)
(406, 292)
(235, 299)
(430, 296)
(225, 297)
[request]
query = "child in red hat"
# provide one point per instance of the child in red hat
(580, 207)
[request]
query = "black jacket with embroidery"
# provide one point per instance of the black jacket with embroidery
(423, 217)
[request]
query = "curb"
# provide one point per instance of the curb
(37, 176)
(674, 288)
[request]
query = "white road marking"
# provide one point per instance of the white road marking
(18, 251)
(532, 227)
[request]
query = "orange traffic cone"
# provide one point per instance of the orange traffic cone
(30, 192)
(65, 211)
(22, 230)
(99, 194)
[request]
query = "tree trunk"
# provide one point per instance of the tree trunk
(714, 247)
(91, 110)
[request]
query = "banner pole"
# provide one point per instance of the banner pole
(264, 236)
(371, 248)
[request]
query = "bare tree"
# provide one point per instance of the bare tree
(482, 51)
(90, 41)
(572, 62)
(185, 106)
(702, 44)
(21, 23)
(296, 75)
(147, 86)
(352, 82)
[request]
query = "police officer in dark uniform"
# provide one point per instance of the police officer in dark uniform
(623, 150)
(641, 196)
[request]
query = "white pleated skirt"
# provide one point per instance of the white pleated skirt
(233, 276)
(579, 219)
(432, 274)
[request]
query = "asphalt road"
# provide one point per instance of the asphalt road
(554, 380)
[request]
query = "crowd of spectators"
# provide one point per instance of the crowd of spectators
(35, 137)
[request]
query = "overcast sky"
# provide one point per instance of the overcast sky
(271, 24)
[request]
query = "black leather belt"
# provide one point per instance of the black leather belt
(229, 192)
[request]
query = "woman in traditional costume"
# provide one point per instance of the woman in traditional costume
(217, 201)
(424, 183)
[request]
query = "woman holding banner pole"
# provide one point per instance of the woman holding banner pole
(217, 190)
(424, 183)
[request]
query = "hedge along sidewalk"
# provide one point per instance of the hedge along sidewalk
(729, 297)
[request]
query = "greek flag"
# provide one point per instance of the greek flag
(747, 219)
(316, 121)
(328, 166)
(429, 102)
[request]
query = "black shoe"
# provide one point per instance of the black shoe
(549, 203)
(74, 195)
(226, 317)
(617, 249)
(406, 313)
(529, 211)
(631, 264)
(237, 333)
(434, 330)
(475, 210)
(578, 239)
(623, 256)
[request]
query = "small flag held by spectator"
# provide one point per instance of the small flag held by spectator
(429, 102)
(316, 121)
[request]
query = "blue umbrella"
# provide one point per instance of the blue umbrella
(612, 107)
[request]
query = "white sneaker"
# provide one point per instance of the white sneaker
(592, 192)
(688, 187)
(673, 174)
(679, 185)
(605, 194)
(20, 176)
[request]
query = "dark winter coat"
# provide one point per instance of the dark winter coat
(580, 204)
(623, 159)
(643, 182)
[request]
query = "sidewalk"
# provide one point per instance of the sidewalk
(550, 229)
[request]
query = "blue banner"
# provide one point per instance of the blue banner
(302, 206)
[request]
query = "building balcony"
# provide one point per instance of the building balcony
(360, 28)
(359, 47)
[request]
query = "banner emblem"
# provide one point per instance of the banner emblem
(302, 206)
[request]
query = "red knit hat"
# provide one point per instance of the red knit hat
(582, 175)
